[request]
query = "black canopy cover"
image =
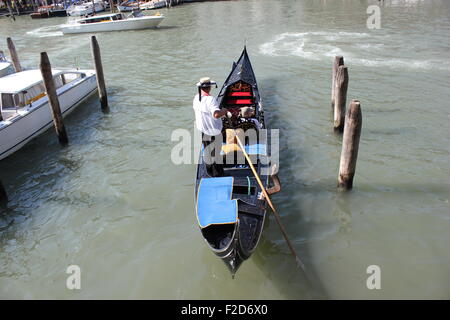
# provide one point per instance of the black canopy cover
(242, 71)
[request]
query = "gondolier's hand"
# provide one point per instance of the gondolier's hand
(220, 113)
(229, 115)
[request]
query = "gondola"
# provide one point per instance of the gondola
(230, 209)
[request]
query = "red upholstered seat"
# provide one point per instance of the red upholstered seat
(240, 94)
(239, 101)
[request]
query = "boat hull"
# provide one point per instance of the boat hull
(252, 214)
(28, 124)
(138, 23)
(236, 253)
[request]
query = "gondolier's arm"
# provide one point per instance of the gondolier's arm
(221, 113)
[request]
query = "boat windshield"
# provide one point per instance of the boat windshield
(136, 14)
(9, 100)
(97, 19)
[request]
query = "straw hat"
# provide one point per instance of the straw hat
(206, 82)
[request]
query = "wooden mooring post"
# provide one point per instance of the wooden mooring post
(111, 6)
(46, 70)
(1, 55)
(8, 4)
(340, 95)
(350, 145)
(100, 77)
(14, 55)
(3, 194)
(338, 61)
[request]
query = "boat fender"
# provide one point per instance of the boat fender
(249, 185)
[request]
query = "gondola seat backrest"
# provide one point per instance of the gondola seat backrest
(239, 95)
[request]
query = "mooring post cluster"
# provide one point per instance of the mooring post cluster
(348, 121)
(50, 89)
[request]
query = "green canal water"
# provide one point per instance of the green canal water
(114, 204)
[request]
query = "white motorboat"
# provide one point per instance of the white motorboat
(25, 110)
(85, 8)
(112, 22)
(6, 67)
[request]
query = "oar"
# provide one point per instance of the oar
(275, 212)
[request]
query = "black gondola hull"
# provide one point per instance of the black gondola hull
(236, 242)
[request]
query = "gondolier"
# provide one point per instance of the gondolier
(208, 120)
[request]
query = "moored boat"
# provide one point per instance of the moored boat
(86, 8)
(152, 5)
(112, 22)
(25, 111)
(6, 67)
(128, 6)
(54, 10)
(131, 5)
(230, 209)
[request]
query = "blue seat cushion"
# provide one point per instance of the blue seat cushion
(214, 204)
(256, 149)
(253, 149)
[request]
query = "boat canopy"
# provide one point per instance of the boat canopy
(242, 71)
(21, 81)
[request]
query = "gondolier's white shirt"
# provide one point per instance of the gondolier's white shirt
(204, 115)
